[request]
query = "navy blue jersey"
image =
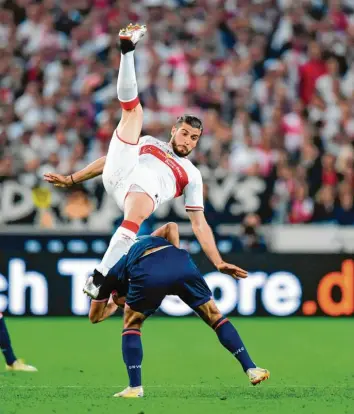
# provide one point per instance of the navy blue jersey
(143, 243)
(145, 281)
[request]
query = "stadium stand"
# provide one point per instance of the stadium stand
(273, 83)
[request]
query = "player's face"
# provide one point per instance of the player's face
(184, 139)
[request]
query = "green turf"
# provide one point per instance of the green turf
(185, 370)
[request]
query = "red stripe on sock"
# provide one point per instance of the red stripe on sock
(131, 333)
(130, 225)
(221, 323)
(128, 106)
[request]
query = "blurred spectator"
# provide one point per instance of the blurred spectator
(251, 238)
(329, 174)
(324, 205)
(344, 213)
(301, 207)
(311, 71)
(284, 188)
(78, 207)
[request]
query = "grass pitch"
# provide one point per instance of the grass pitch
(185, 370)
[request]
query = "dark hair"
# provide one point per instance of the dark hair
(191, 120)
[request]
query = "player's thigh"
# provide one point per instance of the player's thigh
(121, 161)
(129, 127)
(138, 206)
(144, 297)
(194, 292)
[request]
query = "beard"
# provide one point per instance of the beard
(179, 150)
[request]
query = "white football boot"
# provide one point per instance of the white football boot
(19, 365)
(257, 375)
(133, 32)
(131, 392)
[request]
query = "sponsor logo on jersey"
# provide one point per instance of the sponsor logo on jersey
(178, 171)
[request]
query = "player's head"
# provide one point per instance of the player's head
(185, 134)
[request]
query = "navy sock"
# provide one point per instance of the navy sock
(132, 355)
(5, 343)
(229, 337)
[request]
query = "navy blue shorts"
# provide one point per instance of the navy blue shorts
(169, 271)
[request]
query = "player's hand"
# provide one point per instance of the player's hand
(118, 300)
(58, 180)
(232, 270)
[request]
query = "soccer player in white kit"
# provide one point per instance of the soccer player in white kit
(141, 173)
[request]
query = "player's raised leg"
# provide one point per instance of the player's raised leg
(231, 340)
(132, 350)
(12, 363)
(129, 128)
(123, 147)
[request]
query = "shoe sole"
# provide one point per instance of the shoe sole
(264, 377)
(130, 396)
(130, 35)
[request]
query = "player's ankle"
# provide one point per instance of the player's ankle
(126, 46)
(98, 278)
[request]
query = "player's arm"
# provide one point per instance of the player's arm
(169, 232)
(194, 201)
(91, 171)
(206, 239)
(101, 310)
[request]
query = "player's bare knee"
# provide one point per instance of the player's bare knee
(172, 227)
(209, 312)
(138, 207)
(94, 318)
(132, 319)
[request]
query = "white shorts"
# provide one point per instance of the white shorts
(123, 174)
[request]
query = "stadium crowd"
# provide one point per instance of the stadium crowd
(272, 80)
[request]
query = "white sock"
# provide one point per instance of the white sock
(127, 87)
(119, 245)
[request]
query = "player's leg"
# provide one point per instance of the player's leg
(5, 343)
(137, 206)
(195, 293)
(231, 340)
(144, 296)
(12, 363)
(132, 350)
(129, 128)
(123, 151)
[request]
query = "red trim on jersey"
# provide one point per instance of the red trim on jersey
(128, 106)
(130, 225)
(131, 333)
(196, 208)
(126, 142)
(221, 323)
(177, 170)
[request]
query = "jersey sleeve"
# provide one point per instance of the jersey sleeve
(144, 140)
(193, 193)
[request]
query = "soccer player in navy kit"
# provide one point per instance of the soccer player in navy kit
(12, 363)
(153, 268)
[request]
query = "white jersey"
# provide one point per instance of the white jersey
(152, 166)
